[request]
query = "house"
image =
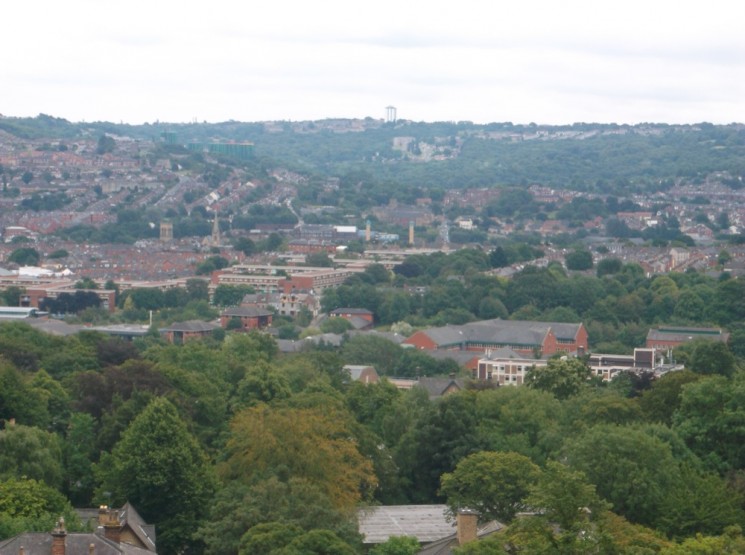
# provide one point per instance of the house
(440, 387)
(362, 373)
(249, 317)
(181, 332)
(467, 530)
(360, 318)
(118, 532)
(426, 523)
(669, 337)
(430, 525)
(524, 337)
(506, 367)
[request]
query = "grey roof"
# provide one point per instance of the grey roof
(355, 370)
(334, 339)
(40, 543)
(435, 387)
(501, 332)
(191, 326)
(460, 357)
(350, 311)
(359, 323)
(686, 334)
(246, 312)
(446, 545)
(54, 327)
(426, 523)
(290, 345)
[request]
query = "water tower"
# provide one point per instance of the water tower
(390, 114)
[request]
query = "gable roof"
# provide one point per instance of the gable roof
(246, 312)
(501, 332)
(437, 387)
(196, 326)
(426, 523)
(446, 545)
(338, 311)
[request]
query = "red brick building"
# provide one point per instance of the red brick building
(250, 318)
(523, 337)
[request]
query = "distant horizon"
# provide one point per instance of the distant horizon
(362, 118)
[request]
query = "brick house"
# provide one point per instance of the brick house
(251, 318)
(181, 332)
(117, 532)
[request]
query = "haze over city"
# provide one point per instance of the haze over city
(536, 61)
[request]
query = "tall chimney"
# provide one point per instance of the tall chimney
(59, 535)
(467, 526)
(112, 528)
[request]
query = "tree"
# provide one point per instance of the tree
(86, 283)
(579, 260)
(245, 245)
(159, 467)
(712, 357)
(265, 441)
(105, 145)
(336, 325)
(230, 295)
(609, 266)
(27, 177)
(660, 402)
(28, 452)
(631, 469)
(397, 545)
(494, 484)
(238, 508)
(569, 501)
(28, 505)
(25, 256)
(319, 259)
(561, 377)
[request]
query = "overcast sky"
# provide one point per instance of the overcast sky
(542, 61)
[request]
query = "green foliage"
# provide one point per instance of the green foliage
(336, 325)
(238, 508)
(397, 545)
(579, 260)
(28, 505)
(631, 469)
(266, 441)
(28, 452)
(491, 483)
(159, 467)
(562, 378)
(211, 264)
(24, 256)
(230, 295)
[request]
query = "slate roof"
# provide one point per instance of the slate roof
(436, 387)
(193, 326)
(40, 543)
(426, 523)
(501, 332)
(246, 312)
(683, 334)
(338, 311)
(446, 545)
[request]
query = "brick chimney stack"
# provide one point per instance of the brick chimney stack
(109, 519)
(59, 534)
(466, 526)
